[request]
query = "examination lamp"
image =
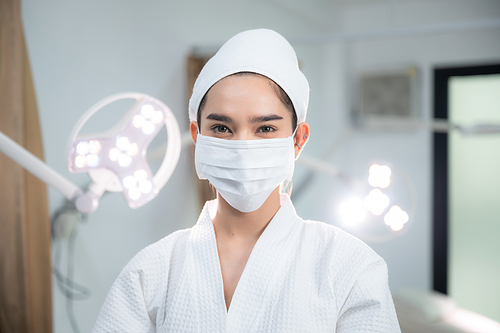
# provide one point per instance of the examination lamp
(371, 215)
(116, 159)
(375, 217)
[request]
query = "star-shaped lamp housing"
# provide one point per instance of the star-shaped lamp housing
(116, 160)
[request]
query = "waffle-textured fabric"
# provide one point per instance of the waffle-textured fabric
(301, 276)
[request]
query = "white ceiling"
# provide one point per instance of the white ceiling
(328, 15)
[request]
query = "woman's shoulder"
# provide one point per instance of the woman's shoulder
(344, 248)
(140, 288)
(349, 260)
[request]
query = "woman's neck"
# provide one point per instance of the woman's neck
(230, 222)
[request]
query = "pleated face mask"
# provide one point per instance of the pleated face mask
(245, 172)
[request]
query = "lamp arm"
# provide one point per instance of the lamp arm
(38, 168)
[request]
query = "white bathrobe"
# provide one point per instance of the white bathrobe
(301, 276)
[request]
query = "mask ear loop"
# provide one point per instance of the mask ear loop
(286, 185)
(293, 136)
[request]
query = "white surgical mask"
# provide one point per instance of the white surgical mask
(245, 172)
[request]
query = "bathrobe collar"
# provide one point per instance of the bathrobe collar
(258, 273)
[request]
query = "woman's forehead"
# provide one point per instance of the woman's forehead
(244, 97)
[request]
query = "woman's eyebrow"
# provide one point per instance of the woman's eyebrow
(262, 119)
(220, 117)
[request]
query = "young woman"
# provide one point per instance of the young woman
(250, 264)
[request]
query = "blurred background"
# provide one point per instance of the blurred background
(83, 51)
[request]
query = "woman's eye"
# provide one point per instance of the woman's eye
(266, 129)
(220, 129)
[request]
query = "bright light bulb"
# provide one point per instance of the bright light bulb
(384, 171)
(397, 226)
(392, 216)
(157, 117)
(82, 148)
(92, 160)
(133, 149)
(376, 202)
(396, 218)
(94, 146)
(141, 175)
(129, 182)
(134, 193)
(145, 186)
(384, 182)
(352, 211)
(138, 121)
(114, 153)
(147, 111)
(373, 168)
(380, 176)
(148, 127)
(123, 143)
(124, 160)
(81, 161)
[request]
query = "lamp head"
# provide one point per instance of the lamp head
(116, 160)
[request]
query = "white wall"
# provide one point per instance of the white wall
(82, 51)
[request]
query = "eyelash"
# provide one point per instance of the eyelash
(271, 129)
(217, 129)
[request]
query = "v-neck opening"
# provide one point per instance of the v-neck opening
(271, 227)
(259, 271)
(222, 279)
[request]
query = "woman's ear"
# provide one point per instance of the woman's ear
(301, 137)
(193, 127)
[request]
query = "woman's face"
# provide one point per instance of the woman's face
(245, 107)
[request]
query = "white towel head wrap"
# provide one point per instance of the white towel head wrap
(261, 51)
